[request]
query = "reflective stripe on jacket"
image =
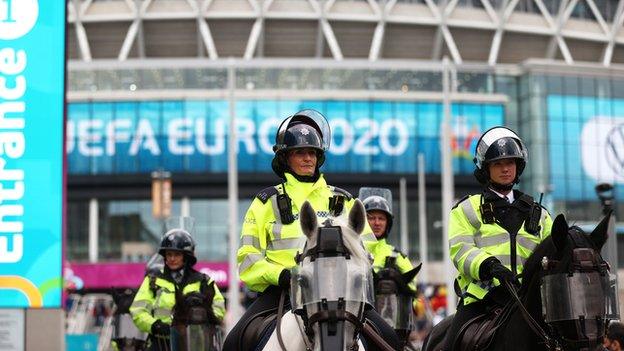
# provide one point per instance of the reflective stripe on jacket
(384, 250)
(267, 245)
(471, 241)
(149, 305)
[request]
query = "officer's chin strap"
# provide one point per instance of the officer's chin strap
(502, 187)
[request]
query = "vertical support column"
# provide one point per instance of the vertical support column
(404, 225)
(448, 188)
(234, 308)
(185, 207)
(422, 220)
(94, 233)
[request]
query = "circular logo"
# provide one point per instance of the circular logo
(17, 18)
(614, 149)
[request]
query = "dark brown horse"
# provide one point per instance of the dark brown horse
(567, 269)
(194, 325)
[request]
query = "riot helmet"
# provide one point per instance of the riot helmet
(378, 199)
(179, 240)
(305, 129)
(499, 143)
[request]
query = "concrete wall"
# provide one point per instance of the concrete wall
(45, 329)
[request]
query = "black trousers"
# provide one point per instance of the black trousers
(269, 299)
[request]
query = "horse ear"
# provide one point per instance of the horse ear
(357, 217)
(559, 232)
(411, 274)
(601, 232)
(308, 221)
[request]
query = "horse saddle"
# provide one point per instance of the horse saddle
(478, 332)
(256, 330)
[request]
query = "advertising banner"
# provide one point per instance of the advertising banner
(586, 138)
(32, 71)
(191, 135)
(128, 275)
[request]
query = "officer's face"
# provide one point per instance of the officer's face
(302, 161)
(174, 260)
(377, 221)
(503, 171)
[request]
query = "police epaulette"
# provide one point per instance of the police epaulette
(266, 193)
(460, 201)
(342, 192)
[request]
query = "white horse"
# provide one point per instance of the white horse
(330, 286)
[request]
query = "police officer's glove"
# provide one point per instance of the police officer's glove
(493, 268)
(284, 279)
(160, 329)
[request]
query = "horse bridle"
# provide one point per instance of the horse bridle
(584, 260)
(330, 244)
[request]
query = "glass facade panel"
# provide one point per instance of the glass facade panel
(77, 238)
(128, 222)
(211, 227)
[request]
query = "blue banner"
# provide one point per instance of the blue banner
(191, 135)
(32, 66)
(586, 143)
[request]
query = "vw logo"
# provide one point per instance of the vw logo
(614, 149)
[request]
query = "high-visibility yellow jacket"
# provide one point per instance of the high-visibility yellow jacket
(267, 245)
(156, 298)
(471, 241)
(383, 250)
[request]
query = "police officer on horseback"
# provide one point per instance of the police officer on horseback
(271, 234)
(378, 205)
(491, 234)
(155, 300)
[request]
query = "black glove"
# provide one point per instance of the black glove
(160, 329)
(284, 279)
(493, 268)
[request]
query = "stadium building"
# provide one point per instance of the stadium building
(152, 86)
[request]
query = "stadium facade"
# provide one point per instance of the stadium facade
(152, 86)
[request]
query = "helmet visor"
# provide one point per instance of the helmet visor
(499, 143)
(503, 148)
(366, 194)
(310, 117)
(180, 222)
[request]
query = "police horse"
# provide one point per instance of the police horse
(564, 303)
(394, 298)
(194, 326)
(330, 287)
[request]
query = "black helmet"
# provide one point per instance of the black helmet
(179, 240)
(304, 129)
(496, 144)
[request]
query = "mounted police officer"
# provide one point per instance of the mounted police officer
(271, 234)
(154, 302)
(491, 234)
(378, 205)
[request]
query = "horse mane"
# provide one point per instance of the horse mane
(533, 264)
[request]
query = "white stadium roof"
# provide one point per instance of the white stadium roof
(490, 32)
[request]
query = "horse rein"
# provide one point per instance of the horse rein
(551, 343)
(280, 313)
